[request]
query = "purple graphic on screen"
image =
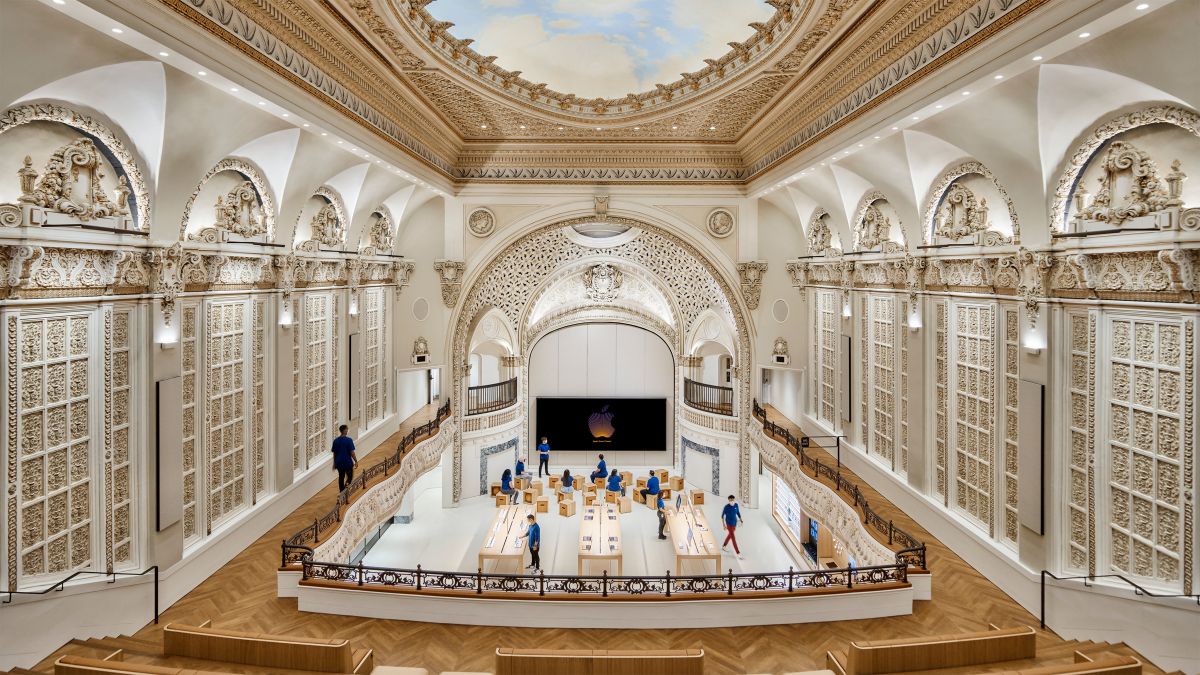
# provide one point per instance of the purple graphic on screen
(600, 424)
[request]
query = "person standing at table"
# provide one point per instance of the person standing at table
(521, 472)
(651, 486)
(662, 517)
(344, 459)
(567, 482)
(506, 488)
(544, 457)
(534, 533)
(601, 470)
(730, 515)
(614, 483)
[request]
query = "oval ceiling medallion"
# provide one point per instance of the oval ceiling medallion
(481, 222)
(720, 223)
(420, 309)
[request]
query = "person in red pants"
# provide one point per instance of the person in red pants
(730, 515)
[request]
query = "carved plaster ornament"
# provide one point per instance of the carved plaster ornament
(818, 232)
(1034, 268)
(960, 215)
(799, 273)
(481, 222)
(720, 223)
(381, 235)
(325, 226)
(874, 229)
(1130, 188)
(751, 274)
(238, 212)
(402, 273)
(601, 206)
(420, 348)
(166, 278)
(450, 273)
(75, 163)
(602, 283)
(27, 175)
(780, 349)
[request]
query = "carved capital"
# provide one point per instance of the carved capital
(165, 277)
(751, 274)
(22, 261)
(799, 272)
(402, 273)
(450, 273)
(1180, 265)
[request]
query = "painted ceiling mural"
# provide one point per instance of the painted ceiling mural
(602, 48)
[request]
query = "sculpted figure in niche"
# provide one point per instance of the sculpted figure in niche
(818, 234)
(381, 235)
(239, 211)
(961, 216)
(876, 228)
(1130, 187)
(325, 226)
(75, 164)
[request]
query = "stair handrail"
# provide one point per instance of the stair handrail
(61, 584)
(1137, 589)
(296, 548)
(914, 550)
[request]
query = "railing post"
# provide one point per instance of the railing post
(541, 582)
(791, 575)
(283, 553)
(418, 577)
(889, 533)
(604, 585)
(360, 573)
(839, 451)
(849, 577)
(730, 581)
(316, 532)
(668, 583)
(479, 581)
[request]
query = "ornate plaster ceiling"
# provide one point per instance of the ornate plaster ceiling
(392, 67)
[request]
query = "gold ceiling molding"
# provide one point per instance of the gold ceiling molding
(480, 119)
(746, 58)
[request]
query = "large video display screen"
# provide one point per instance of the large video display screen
(603, 423)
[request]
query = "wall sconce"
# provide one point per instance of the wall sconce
(285, 314)
(1033, 339)
(914, 317)
(846, 310)
(353, 306)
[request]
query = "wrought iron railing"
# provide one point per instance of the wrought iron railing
(540, 585)
(708, 397)
(300, 547)
(491, 397)
(912, 551)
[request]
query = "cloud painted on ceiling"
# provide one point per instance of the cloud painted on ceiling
(602, 48)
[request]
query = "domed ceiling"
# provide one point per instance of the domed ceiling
(602, 48)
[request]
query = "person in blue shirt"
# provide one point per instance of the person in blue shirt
(534, 533)
(730, 516)
(651, 486)
(601, 470)
(521, 472)
(544, 457)
(506, 488)
(614, 483)
(662, 518)
(344, 459)
(567, 482)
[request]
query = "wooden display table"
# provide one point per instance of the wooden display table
(500, 543)
(600, 536)
(700, 545)
(697, 496)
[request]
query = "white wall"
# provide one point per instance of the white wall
(786, 392)
(412, 392)
(602, 360)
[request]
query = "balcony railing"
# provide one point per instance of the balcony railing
(708, 397)
(491, 397)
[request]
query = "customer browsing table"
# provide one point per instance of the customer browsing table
(691, 537)
(501, 542)
(600, 535)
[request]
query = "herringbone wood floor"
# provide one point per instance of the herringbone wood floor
(241, 596)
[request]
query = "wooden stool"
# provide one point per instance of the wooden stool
(598, 482)
(528, 496)
(566, 508)
(589, 498)
(652, 502)
(554, 481)
(566, 497)
(641, 482)
(697, 497)
(543, 504)
(624, 504)
(536, 486)
(665, 494)
(611, 497)
(637, 496)
(522, 483)
(501, 500)
(677, 483)
(495, 489)
(626, 477)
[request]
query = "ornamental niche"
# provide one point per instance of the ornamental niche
(69, 191)
(328, 226)
(380, 234)
(1132, 195)
(962, 216)
(239, 211)
(819, 235)
(874, 229)
(602, 283)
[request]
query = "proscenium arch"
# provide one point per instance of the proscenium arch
(509, 276)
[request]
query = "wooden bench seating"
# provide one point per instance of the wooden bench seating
(511, 661)
(879, 657)
(261, 649)
(1107, 665)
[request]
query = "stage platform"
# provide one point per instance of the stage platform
(450, 539)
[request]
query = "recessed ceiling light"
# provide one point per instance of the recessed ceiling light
(1143, 6)
(201, 73)
(339, 142)
(597, 128)
(305, 125)
(939, 106)
(1082, 35)
(915, 117)
(60, 2)
(261, 103)
(822, 163)
(522, 126)
(1037, 58)
(324, 134)
(378, 162)
(354, 149)
(966, 93)
(636, 128)
(117, 30)
(876, 138)
(560, 128)
(712, 128)
(674, 127)
(999, 77)
(285, 114)
(233, 89)
(895, 128)
(163, 54)
(482, 126)
(860, 145)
